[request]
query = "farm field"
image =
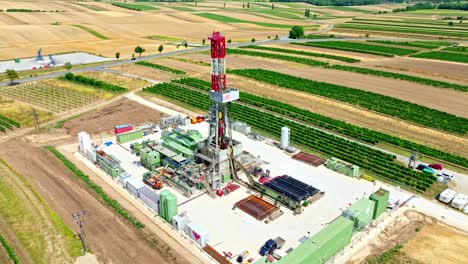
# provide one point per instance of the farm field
(117, 79)
(145, 72)
(23, 113)
(441, 55)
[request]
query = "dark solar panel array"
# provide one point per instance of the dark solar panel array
(292, 188)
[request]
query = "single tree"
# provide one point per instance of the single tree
(160, 48)
(139, 50)
(307, 12)
(203, 42)
(224, 4)
(269, 37)
(229, 41)
(450, 23)
(272, 6)
(248, 4)
(117, 55)
(68, 65)
(243, 5)
(296, 32)
(12, 75)
(276, 37)
(185, 44)
(315, 15)
(367, 35)
(253, 40)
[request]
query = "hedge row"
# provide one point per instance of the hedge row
(85, 178)
(94, 83)
(11, 253)
(159, 67)
(5, 121)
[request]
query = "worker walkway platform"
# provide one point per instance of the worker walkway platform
(216, 255)
(256, 207)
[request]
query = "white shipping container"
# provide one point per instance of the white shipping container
(447, 196)
(198, 233)
(180, 222)
(123, 177)
(150, 198)
(134, 186)
(460, 201)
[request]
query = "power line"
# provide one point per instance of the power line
(79, 219)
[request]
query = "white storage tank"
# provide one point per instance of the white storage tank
(84, 142)
(150, 198)
(460, 201)
(198, 233)
(447, 196)
(284, 137)
(134, 186)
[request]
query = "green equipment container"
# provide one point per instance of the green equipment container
(150, 159)
(343, 167)
(361, 213)
(380, 199)
(130, 136)
(322, 246)
(168, 205)
(226, 178)
(109, 164)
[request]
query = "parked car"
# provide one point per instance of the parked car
(268, 247)
(447, 176)
(436, 166)
(421, 167)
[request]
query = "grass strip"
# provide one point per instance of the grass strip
(311, 44)
(362, 47)
(406, 44)
(91, 31)
(463, 49)
(442, 55)
(405, 25)
(4, 119)
(277, 57)
(96, 188)
(330, 124)
(159, 67)
(301, 52)
(11, 253)
(135, 7)
(372, 101)
(399, 76)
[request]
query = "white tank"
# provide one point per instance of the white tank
(284, 137)
(84, 141)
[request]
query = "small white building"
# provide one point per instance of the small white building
(198, 233)
(447, 196)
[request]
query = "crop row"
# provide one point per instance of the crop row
(4, 119)
(136, 7)
(103, 195)
(400, 76)
(374, 161)
(159, 67)
(301, 52)
(277, 56)
(337, 126)
(406, 25)
(403, 30)
(411, 21)
(94, 83)
(11, 253)
(406, 44)
(442, 55)
(360, 47)
(462, 49)
(372, 101)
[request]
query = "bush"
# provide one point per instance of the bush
(296, 32)
(368, 178)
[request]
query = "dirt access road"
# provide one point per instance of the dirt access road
(110, 237)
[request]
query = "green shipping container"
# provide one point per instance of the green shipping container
(380, 198)
(130, 136)
(322, 246)
(361, 213)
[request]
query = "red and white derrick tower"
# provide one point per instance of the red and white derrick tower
(219, 145)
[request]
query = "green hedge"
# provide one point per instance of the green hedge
(301, 52)
(277, 57)
(159, 67)
(85, 178)
(400, 76)
(337, 126)
(375, 102)
(94, 83)
(11, 253)
(9, 121)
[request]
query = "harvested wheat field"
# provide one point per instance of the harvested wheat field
(23, 113)
(144, 71)
(423, 240)
(357, 116)
(447, 100)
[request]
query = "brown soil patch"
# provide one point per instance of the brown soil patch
(189, 68)
(123, 111)
(433, 68)
(423, 246)
(357, 116)
(144, 71)
(110, 237)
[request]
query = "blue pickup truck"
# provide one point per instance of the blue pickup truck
(271, 245)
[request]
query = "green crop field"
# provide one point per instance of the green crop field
(375, 102)
(400, 76)
(406, 25)
(277, 12)
(444, 56)
(300, 52)
(360, 47)
(336, 126)
(91, 31)
(226, 19)
(382, 163)
(406, 44)
(93, 83)
(463, 49)
(159, 67)
(136, 7)
(412, 22)
(181, 8)
(277, 57)
(369, 28)
(352, 9)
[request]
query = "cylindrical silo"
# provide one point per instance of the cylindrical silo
(284, 137)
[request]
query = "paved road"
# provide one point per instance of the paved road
(192, 50)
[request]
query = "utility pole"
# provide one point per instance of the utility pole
(79, 219)
(36, 121)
